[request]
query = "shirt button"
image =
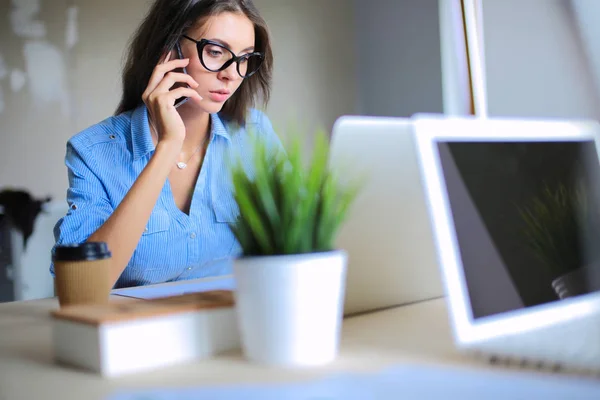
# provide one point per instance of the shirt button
(189, 268)
(192, 235)
(146, 229)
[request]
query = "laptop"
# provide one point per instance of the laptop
(514, 207)
(387, 235)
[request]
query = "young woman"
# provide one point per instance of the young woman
(152, 180)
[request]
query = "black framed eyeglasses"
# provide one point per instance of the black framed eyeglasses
(215, 57)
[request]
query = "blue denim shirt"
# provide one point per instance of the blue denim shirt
(103, 162)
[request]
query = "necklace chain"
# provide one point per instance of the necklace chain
(181, 164)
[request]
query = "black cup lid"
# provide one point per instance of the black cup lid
(89, 251)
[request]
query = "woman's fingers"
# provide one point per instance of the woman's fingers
(183, 92)
(163, 90)
(159, 73)
(171, 78)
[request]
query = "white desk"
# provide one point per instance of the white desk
(417, 333)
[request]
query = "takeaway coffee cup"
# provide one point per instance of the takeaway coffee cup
(82, 273)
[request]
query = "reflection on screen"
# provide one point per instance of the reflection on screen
(526, 218)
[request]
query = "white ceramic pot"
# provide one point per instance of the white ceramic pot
(290, 308)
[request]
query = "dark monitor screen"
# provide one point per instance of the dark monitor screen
(526, 220)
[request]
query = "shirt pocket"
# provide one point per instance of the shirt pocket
(159, 221)
(153, 259)
(223, 204)
(226, 213)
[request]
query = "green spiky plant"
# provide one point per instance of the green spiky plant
(287, 207)
(554, 227)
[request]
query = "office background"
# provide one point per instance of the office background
(60, 72)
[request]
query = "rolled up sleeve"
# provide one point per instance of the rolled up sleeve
(89, 205)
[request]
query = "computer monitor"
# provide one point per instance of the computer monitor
(515, 211)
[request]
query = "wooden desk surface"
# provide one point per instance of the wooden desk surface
(412, 334)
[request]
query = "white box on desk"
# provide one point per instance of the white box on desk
(141, 335)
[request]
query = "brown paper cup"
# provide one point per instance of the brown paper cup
(82, 274)
(82, 282)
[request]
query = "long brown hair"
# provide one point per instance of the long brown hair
(162, 28)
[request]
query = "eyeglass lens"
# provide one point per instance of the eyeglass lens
(214, 57)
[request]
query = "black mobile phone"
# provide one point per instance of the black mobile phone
(180, 100)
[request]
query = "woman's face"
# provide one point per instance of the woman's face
(233, 31)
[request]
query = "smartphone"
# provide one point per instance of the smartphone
(180, 100)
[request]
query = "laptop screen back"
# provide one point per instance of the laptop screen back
(526, 220)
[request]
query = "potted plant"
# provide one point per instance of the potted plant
(290, 280)
(557, 223)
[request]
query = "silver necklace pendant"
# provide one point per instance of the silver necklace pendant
(182, 165)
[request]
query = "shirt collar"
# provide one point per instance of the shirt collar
(142, 139)
(218, 127)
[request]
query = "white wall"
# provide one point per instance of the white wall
(96, 60)
(536, 64)
(34, 122)
(70, 81)
(585, 14)
(314, 77)
(398, 57)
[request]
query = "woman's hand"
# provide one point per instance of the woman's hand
(160, 100)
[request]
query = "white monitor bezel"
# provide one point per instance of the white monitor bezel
(431, 129)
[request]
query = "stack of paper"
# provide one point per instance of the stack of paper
(177, 288)
(138, 335)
